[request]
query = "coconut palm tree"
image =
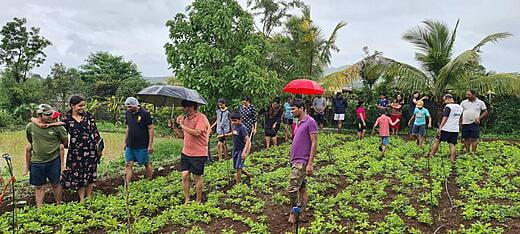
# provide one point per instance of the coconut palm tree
(313, 50)
(438, 71)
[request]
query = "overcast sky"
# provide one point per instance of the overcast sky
(136, 29)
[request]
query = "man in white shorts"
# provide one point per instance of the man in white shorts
(340, 105)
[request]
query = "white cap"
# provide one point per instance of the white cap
(131, 101)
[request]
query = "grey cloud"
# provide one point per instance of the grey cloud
(135, 28)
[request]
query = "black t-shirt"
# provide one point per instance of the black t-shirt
(412, 104)
(340, 105)
(138, 134)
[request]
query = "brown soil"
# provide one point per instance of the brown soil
(445, 216)
(106, 186)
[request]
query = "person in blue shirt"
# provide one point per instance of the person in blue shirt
(382, 103)
(287, 117)
(419, 127)
(241, 145)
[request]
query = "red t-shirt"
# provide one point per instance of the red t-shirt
(196, 146)
(361, 114)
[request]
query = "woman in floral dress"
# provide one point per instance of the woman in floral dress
(83, 156)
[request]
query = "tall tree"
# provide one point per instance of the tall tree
(311, 50)
(107, 75)
(272, 13)
(62, 83)
(21, 49)
(213, 49)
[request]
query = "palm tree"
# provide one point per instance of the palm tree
(438, 71)
(314, 50)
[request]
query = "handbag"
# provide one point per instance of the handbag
(100, 145)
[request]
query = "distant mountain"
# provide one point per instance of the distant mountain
(156, 79)
(333, 69)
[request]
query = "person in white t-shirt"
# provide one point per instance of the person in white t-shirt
(449, 127)
(474, 110)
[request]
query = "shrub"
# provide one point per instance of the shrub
(6, 119)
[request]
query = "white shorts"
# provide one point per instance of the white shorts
(339, 117)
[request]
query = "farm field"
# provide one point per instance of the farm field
(353, 189)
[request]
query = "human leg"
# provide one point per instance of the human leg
(186, 186)
(198, 188)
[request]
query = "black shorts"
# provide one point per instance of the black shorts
(470, 131)
(287, 121)
(270, 132)
(360, 125)
(319, 117)
(222, 139)
(193, 164)
(450, 137)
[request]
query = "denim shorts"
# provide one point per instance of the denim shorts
(238, 163)
(137, 155)
(385, 140)
(419, 130)
(41, 172)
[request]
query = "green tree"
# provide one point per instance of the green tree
(272, 12)
(21, 49)
(16, 94)
(107, 75)
(213, 49)
(439, 71)
(62, 83)
(304, 50)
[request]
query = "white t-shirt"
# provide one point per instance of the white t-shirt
(453, 112)
(472, 110)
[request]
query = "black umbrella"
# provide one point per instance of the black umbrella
(169, 95)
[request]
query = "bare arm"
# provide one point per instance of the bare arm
(247, 147)
(484, 114)
(443, 122)
(46, 125)
(375, 125)
(429, 121)
(411, 119)
(191, 131)
(28, 153)
(126, 137)
(314, 148)
(396, 121)
(151, 132)
(178, 132)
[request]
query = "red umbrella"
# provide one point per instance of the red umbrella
(303, 86)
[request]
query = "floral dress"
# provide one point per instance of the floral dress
(82, 158)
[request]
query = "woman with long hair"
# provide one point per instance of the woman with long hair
(273, 118)
(84, 149)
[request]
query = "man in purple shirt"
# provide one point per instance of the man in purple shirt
(303, 151)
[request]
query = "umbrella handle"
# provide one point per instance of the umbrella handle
(173, 108)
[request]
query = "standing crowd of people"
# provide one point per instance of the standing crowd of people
(50, 134)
